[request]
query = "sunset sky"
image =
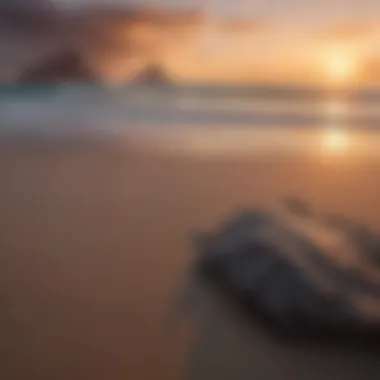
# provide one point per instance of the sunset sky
(293, 13)
(327, 42)
(324, 41)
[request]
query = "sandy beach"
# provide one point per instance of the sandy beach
(96, 246)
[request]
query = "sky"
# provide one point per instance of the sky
(332, 41)
(299, 40)
(302, 12)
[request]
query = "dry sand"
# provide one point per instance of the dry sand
(95, 246)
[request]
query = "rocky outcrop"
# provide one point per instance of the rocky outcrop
(154, 74)
(67, 66)
(304, 273)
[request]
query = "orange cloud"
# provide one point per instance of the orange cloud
(242, 25)
(347, 32)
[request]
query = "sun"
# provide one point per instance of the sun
(339, 64)
(340, 68)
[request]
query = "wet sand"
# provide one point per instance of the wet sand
(95, 249)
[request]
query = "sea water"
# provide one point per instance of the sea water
(194, 115)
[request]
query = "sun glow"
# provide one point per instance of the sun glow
(340, 68)
(334, 141)
(340, 65)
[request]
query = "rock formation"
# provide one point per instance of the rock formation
(67, 66)
(154, 74)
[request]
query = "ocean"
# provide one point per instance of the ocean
(191, 115)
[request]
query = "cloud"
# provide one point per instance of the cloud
(370, 70)
(243, 26)
(347, 32)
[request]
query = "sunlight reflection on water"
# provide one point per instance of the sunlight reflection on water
(157, 120)
(331, 138)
